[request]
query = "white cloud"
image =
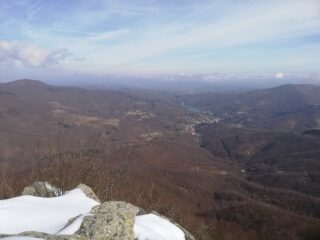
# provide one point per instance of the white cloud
(279, 75)
(30, 55)
(158, 36)
(249, 25)
(107, 36)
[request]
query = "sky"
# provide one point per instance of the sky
(63, 39)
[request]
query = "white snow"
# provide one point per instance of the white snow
(52, 215)
(20, 238)
(153, 227)
(48, 215)
(72, 228)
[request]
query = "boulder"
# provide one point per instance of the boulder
(89, 192)
(110, 221)
(42, 189)
(38, 235)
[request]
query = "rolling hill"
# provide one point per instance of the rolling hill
(291, 107)
(221, 173)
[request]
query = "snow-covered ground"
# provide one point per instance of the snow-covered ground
(48, 215)
(20, 238)
(51, 215)
(153, 227)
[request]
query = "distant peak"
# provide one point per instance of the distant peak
(26, 82)
(294, 86)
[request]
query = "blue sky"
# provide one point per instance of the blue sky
(97, 37)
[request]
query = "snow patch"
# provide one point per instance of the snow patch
(74, 226)
(20, 238)
(151, 226)
(52, 215)
(47, 215)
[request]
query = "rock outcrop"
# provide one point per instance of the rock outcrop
(42, 189)
(89, 192)
(110, 220)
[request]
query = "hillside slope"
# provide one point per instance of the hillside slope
(205, 172)
(291, 107)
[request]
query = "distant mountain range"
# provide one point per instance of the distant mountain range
(284, 107)
(185, 82)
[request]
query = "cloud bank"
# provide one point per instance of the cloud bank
(30, 55)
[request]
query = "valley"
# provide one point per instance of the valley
(226, 166)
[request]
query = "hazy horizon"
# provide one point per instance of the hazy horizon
(94, 39)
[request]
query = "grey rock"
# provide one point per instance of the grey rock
(110, 221)
(89, 192)
(46, 236)
(42, 189)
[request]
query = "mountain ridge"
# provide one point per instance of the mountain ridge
(209, 171)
